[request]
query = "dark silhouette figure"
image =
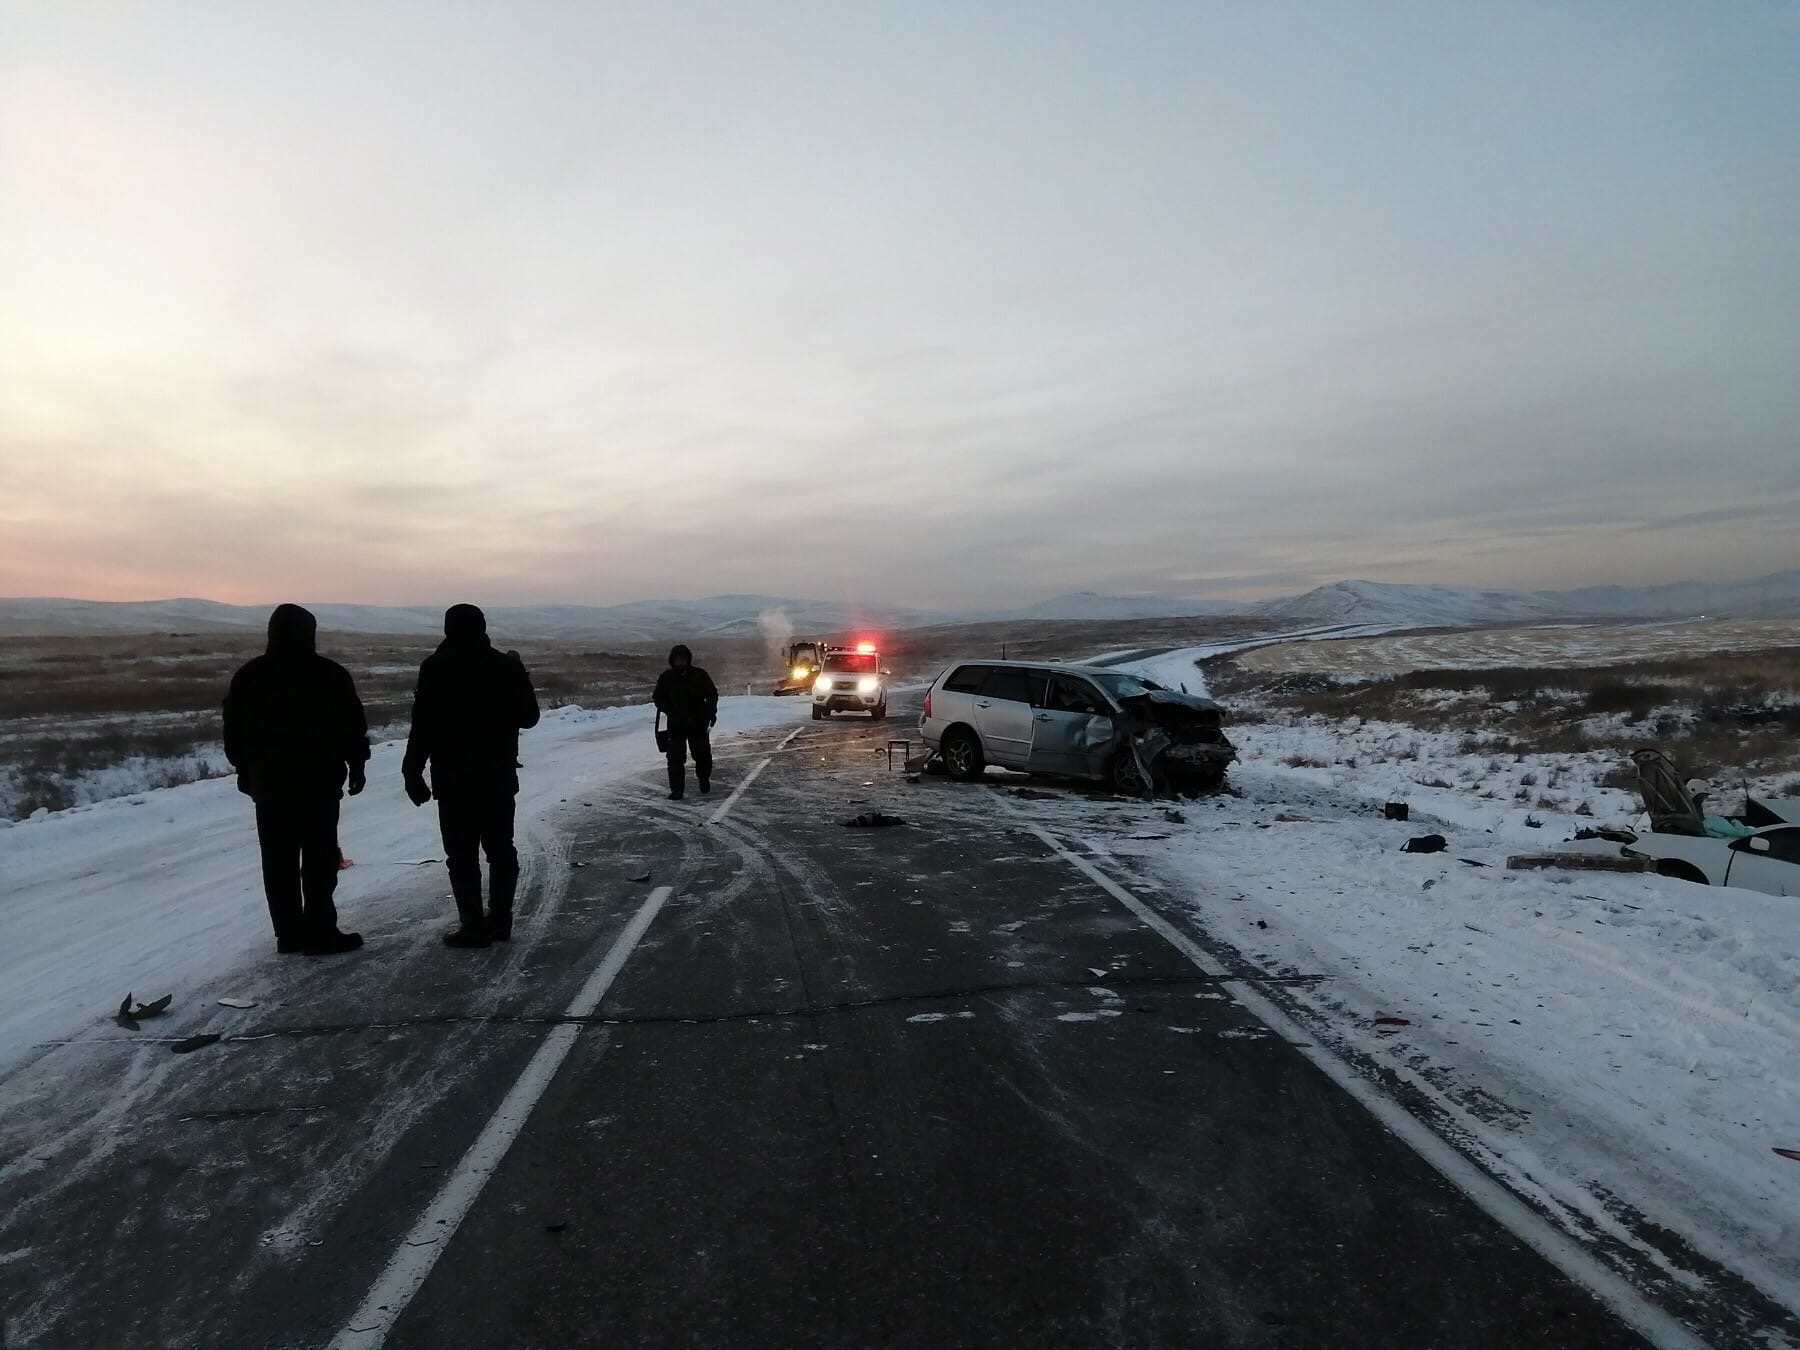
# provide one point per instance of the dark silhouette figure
(686, 696)
(296, 734)
(471, 705)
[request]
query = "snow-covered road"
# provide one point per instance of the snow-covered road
(161, 891)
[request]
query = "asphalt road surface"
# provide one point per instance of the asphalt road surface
(803, 1085)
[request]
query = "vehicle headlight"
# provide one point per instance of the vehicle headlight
(822, 685)
(801, 672)
(868, 684)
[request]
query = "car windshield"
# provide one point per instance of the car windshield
(854, 663)
(1121, 685)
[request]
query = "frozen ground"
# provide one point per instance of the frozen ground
(1618, 1048)
(1611, 1045)
(1548, 646)
(159, 891)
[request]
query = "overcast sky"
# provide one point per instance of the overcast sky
(933, 304)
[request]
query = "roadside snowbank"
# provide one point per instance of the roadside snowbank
(155, 892)
(1613, 1042)
(1618, 1048)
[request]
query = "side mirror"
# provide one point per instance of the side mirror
(886, 671)
(1757, 843)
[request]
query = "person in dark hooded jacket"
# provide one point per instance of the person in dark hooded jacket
(472, 703)
(296, 734)
(686, 696)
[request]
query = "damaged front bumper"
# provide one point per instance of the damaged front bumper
(1185, 768)
(1177, 742)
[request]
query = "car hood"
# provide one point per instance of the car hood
(1166, 704)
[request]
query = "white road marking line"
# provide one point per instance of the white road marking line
(750, 778)
(1512, 1213)
(419, 1250)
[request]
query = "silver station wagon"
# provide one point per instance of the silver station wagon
(1076, 722)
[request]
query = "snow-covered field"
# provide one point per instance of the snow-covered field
(161, 890)
(1612, 1045)
(1550, 646)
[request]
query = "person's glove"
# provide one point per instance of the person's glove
(713, 721)
(359, 779)
(418, 791)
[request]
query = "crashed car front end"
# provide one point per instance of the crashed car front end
(1178, 742)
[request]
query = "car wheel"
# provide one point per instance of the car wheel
(1127, 777)
(878, 713)
(818, 713)
(962, 754)
(1681, 871)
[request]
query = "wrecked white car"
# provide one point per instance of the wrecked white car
(1766, 860)
(1758, 848)
(1075, 722)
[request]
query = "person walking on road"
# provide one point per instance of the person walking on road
(472, 703)
(296, 733)
(686, 696)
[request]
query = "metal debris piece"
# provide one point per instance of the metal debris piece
(129, 1013)
(1425, 843)
(189, 1044)
(1580, 862)
(237, 1003)
(874, 820)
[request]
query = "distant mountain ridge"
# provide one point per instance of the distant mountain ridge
(1411, 606)
(1776, 595)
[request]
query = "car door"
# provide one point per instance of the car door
(1768, 862)
(1072, 718)
(1003, 714)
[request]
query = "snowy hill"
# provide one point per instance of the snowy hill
(1461, 606)
(640, 620)
(746, 615)
(1090, 605)
(644, 620)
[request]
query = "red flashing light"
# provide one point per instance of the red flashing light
(865, 648)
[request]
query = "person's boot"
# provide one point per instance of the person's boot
(466, 935)
(705, 782)
(471, 924)
(499, 925)
(333, 943)
(471, 928)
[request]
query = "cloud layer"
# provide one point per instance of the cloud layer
(933, 305)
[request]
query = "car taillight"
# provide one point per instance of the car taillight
(927, 711)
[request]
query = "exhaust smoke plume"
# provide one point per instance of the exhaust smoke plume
(777, 630)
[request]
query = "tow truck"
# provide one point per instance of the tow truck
(803, 661)
(851, 680)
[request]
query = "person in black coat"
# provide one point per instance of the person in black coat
(296, 734)
(686, 696)
(472, 703)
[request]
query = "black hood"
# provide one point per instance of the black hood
(292, 632)
(680, 649)
(465, 623)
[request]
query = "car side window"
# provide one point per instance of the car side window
(967, 679)
(1015, 684)
(1068, 694)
